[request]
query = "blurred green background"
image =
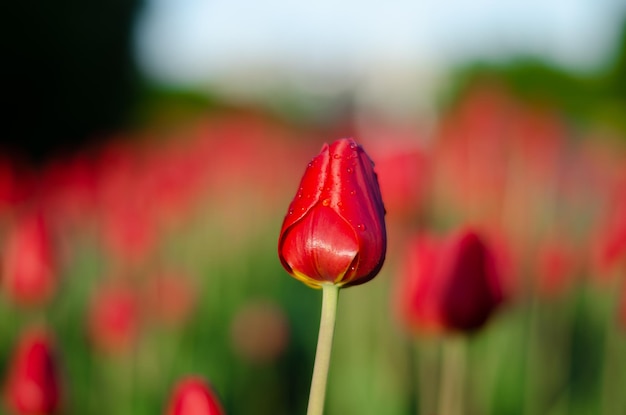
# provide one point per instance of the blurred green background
(171, 191)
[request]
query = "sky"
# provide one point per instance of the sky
(189, 42)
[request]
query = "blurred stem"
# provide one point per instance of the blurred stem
(609, 399)
(330, 295)
(452, 382)
(531, 380)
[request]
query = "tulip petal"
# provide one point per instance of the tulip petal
(355, 195)
(311, 186)
(321, 248)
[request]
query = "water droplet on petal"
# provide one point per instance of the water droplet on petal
(352, 192)
(326, 202)
(349, 169)
(360, 227)
(336, 156)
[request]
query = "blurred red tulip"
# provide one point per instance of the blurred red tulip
(129, 232)
(33, 385)
(29, 268)
(472, 153)
(68, 188)
(403, 176)
(260, 332)
(449, 285)
(610, 242)
(16, 183)
(193, 396)
(334, 231)
(113, 319)
(556, 267)
(127, 213)
(169, 298)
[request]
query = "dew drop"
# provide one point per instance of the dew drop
(352, 192)
(349, 169)
(336, 156)
(360, 227)
(326, 202)
(353, 146)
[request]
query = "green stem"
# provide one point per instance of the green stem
(452, 381)
(330, 295)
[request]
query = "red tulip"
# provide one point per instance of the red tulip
(334, 231)
(193, 396)
(29, 264)
(33, 384)
(450, 284)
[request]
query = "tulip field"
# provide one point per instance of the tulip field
(150, 273)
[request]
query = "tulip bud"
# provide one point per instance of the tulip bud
(33, 384)
(334, 231)
(192, 396)
(29, 264)
(449, 285)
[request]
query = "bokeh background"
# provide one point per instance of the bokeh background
(150, 150)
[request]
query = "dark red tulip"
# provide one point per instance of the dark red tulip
(192, 396)
(29, 269)
(449, 285)
(334, 231)
(33, 384)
